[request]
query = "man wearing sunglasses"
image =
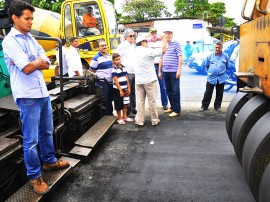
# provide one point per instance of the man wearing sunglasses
(126, 50)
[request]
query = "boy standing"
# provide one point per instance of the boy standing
(121, 89)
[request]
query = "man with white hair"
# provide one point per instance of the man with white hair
(126, 50)
(171, 68)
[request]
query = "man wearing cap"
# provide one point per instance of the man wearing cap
(126, 50)
(90, 21)
(146, 80)
(156, 42)
(171, 68)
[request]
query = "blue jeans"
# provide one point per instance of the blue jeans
(163, 93)
(107, 97)
(132, 96)
(173, 90)
(37, 127)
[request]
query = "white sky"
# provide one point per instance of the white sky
(233, 7)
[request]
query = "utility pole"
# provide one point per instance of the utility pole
(222, 21)
(204, 12)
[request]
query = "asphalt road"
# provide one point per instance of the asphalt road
(186, 158)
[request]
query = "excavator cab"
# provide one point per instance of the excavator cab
(90, 21)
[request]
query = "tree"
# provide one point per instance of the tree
(2, 4)
(137, 10)
(191, 8)
(54, 6)
(196, 8)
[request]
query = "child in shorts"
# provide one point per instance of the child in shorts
(121, 89)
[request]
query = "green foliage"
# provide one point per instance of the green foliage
(54, 6)
(229, 22)
(191, 8)
(137, 10)
(112, 1)
(196, 8)
(2, 4)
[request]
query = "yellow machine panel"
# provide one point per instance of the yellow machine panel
(254, 57)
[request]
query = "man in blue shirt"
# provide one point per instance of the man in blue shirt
(102, 65)
(25, 59)
(217, 63)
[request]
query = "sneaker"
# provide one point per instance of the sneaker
(218, 109)
(173, 114)
(40, 186)
(58, 165)
(134, 111)
(202, 109)
(165, 107)
(168, 111)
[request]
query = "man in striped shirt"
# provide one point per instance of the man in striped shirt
(171, 67)
(101, 64)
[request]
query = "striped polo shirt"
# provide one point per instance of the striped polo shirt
(121, 74)
(171, 57)
(102, 65)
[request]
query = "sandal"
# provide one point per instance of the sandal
(122, 122)
(128, 119)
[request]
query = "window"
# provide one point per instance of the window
(67, 21)
(88, 19)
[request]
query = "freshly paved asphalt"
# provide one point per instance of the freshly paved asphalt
(186, 158)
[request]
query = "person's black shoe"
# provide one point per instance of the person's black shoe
(131, 115)
(202, 109)
(218, 109)
(134, 111)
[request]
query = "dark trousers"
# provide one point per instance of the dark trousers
(132, 106)
(208, 95)
(107, 97)
(162, 87)
(173, 90)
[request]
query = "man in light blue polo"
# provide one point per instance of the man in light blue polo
(101, 64)
(171, 67)
(25, 59)
(217, 63)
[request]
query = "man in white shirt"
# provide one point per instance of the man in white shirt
(126, 50)
(146, 80)
(64, 58)
(74, 62)
(155, 41)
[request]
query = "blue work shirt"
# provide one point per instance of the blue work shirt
(217, 67)
(19, 50)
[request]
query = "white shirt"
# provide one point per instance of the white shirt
(73, 61)
(64, 59)
(144, 61)
(126, 51)
(157, 44)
